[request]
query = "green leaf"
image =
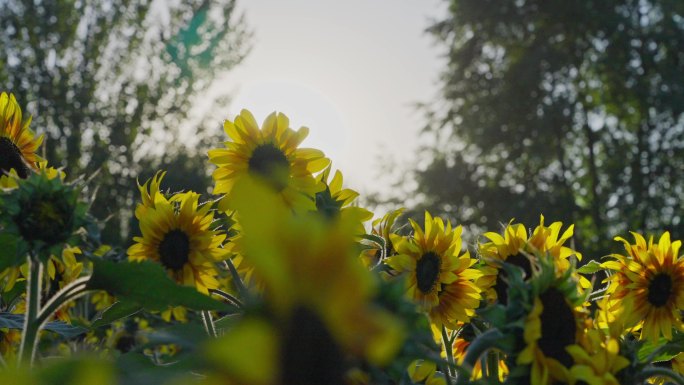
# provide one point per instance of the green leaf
(662, 350)
(590, 268)
(10, 296)
(117, 311)
(185, 336)
(16, 321)
(9, 252)
(148, 285)
(135, 368)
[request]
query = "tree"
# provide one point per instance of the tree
(112, 81)
(570, 109)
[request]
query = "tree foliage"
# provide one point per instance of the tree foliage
(108, 81)
(573, 109)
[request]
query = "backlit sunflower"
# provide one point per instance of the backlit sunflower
(516, 248)
(647, 287)
(18, 143)
(439, 277)
(335, 201)
(176, 233)
(319, 300)
(272, 155)
(555, 322)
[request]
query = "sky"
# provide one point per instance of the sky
(349, 70)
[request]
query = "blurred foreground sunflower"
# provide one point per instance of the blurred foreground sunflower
(316, 296)
(18, 144)
(647, 287)
(271, 154)
(176, 233)
(439, 277)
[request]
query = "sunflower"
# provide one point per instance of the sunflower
(18, 143)
(176, 233)
(597, 360)
(319, 300)
(647, 289)
(382, 227)
(44, 214)
(440, 279)
(336, 201)
(270, 154)
(555, 322)
(516, 248)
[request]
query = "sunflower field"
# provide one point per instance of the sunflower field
(280, 277)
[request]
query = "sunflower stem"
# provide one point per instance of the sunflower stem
(67, 294)
(236, 278)
(449, 352)
(664, 372)
(29, 336)
(208, 323)
(493, 366)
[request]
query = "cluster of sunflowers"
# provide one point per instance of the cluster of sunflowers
(278, 278)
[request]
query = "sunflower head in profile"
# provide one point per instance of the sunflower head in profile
(18, 144)
(647, 288)
(177, 233)
(439, 277)
(271, 154)
(555, 320)
(382, 227)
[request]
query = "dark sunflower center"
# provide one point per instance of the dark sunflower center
(125, 343)
(10, 158)
(46, 218)
(501, 287)
(427, 271)
(271, 163)
(174, 249)
(558, 326)
(659, 290)
(309, 354)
